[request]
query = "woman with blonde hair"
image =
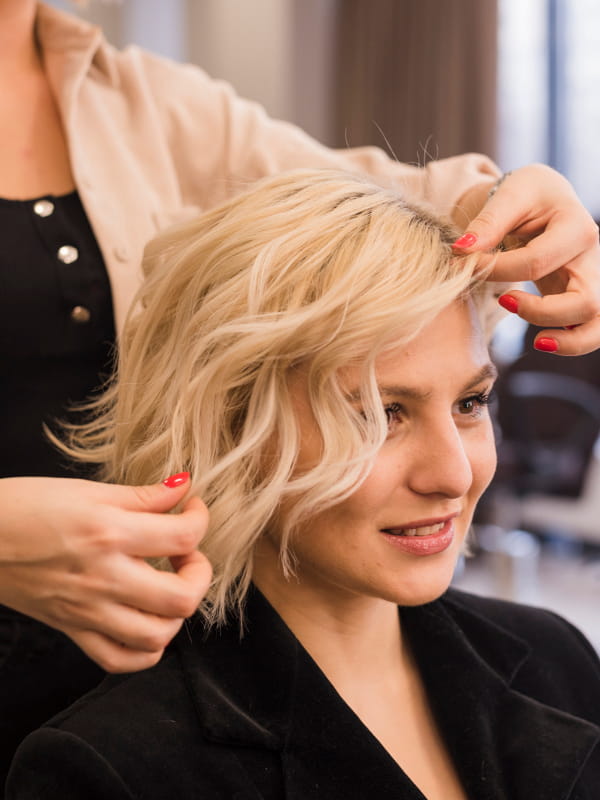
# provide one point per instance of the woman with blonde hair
(100, 148)
(314, 354)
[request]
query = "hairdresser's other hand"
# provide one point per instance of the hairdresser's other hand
(537, 208)
(72, 555)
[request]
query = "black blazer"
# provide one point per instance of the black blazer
(515, 690)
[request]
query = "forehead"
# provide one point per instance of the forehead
(450, 350)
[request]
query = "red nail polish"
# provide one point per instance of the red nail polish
(508, 302)
(546, 344)
(466, 240)
(177, 480)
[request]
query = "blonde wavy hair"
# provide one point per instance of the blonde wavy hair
(315, 269)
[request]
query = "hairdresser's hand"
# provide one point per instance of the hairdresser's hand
(537, 208)
(72, 555)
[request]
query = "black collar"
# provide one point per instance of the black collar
(505, 743)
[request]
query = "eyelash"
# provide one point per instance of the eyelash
(481, 400)
(394, 411)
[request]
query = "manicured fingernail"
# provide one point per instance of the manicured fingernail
(508, 302)
(177, 480)
(546, 344)
(466, 240)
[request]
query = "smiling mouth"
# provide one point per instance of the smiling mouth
(424, 530)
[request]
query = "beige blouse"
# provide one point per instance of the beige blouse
(150, 139)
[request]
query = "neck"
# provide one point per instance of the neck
(355, 640)
(18, 50)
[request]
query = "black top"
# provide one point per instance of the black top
(56, 335)
(515, 692)
(56, 326)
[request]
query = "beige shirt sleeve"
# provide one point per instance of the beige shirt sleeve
(151, 140)
(221, 142)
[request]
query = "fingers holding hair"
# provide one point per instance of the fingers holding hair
(560, 252)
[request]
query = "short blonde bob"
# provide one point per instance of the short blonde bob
(313, 268)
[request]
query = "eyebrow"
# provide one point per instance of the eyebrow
(487, 372)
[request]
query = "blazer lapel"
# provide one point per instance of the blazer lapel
(505, 744)
(264, 695)
(329, 753)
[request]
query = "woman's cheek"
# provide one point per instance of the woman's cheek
(484, 459)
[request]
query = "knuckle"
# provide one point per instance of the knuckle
(144, 494)
(155, 641)
(537, 266)
(590, 306)
(104, 535)
(113, 662)
(119, 659)
(204, 515)
(591, 233)
(59, 613)
(150, 659)
(199, 505)
(189, 528)
(199, 515)
(109, 537)
(485, 219)
(66, 612)
(185, 541)
(207, 578)
(183, 604)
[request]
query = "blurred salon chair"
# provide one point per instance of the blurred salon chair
(578, 517)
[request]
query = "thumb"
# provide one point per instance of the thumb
(158, 497)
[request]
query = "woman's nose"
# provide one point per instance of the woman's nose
(440, 463)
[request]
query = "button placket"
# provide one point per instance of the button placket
(75, 288)
(68, 255)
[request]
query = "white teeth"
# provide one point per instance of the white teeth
(426, 530)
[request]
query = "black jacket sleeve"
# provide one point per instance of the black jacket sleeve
(54, 765)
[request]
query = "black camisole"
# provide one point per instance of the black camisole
(56, 327)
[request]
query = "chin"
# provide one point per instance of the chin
(421, 598)
(420, 588)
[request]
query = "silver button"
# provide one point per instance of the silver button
(68, 254)
(43, 208)
(80, 314)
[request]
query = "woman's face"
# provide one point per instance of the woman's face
(399, 535)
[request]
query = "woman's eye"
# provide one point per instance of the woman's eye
(393, 413)
(474, 405)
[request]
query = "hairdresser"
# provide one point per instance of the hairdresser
(99, 150)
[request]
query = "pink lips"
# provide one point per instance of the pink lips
(426, 545)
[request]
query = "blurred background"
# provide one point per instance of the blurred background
(516, 79)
